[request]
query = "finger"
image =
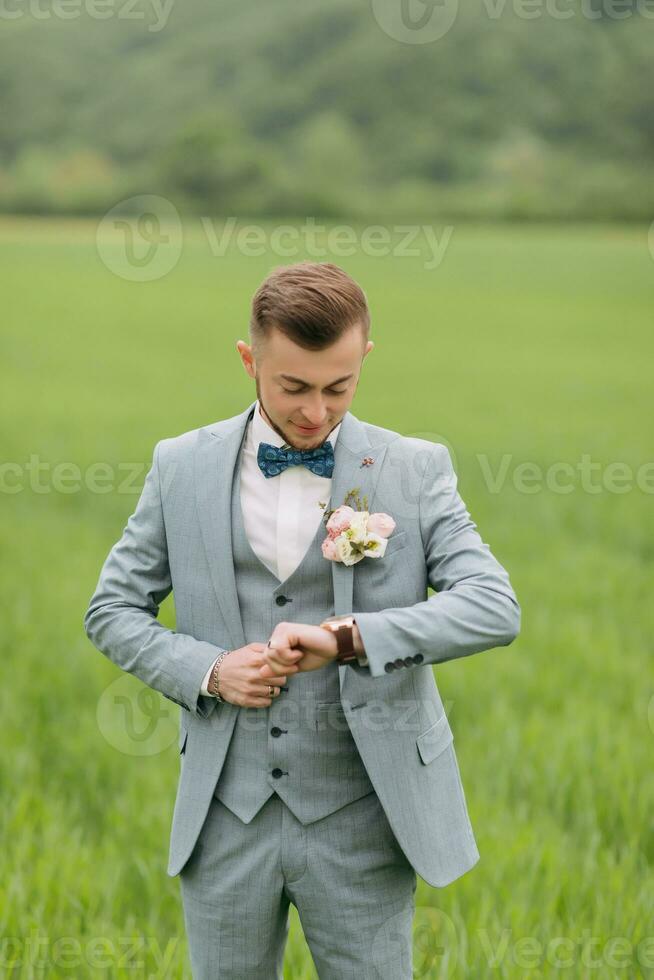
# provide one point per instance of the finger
(288, 655)
(277, 680)
(265, 692)
(288, 658)
(258, 702)
(272, 669)
(268, 668)
(276, 661)
(283, 642)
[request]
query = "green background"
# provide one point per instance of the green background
(532, 346)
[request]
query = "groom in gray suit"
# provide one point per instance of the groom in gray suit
(317, 762)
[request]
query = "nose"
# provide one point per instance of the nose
(314, 414)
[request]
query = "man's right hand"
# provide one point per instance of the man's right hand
(239, 679)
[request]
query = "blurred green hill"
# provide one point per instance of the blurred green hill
(297, 108)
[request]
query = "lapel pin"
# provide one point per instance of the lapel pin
(367, 461)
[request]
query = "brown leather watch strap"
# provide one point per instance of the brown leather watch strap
(345, 644)
(343, 628)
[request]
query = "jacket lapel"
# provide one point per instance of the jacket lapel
(215, 461)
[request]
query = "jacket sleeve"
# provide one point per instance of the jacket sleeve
(475, 607)
(121, 620)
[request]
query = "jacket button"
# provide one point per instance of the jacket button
(399, 662)
(277, 773)
(281, 600)
(389, 667)
(275, 732)
(418, 659)
(408, 661)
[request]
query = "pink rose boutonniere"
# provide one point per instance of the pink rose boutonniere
(353, 534)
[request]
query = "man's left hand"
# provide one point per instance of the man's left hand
(310, 647)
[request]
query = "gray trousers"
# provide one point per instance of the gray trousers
(346, 874)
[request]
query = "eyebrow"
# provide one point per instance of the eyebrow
(289, 377)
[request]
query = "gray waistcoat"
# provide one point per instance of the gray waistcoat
(301, 746)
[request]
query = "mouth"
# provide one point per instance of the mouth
(308, 430)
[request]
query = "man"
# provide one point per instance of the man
(317, 764)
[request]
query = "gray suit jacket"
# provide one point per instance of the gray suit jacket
(178, 538)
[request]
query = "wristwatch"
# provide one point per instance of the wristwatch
(343, 629)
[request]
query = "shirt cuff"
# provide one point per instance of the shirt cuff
(204, 689)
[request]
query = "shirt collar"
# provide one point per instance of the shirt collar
(263, 432)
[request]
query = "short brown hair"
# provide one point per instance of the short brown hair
(312, 303)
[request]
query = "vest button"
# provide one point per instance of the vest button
(275, 732)
(281, 600)
(277, 773)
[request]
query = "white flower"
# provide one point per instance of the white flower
(345, 552)
(375, 546)
(358, 529)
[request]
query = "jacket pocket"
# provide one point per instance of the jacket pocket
(394, 543)
(434, 740)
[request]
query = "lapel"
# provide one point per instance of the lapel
(215, 460)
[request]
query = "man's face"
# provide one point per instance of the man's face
(304, 394)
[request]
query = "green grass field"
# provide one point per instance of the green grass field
(524, 346)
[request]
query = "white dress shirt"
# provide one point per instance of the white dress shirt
(280, 513)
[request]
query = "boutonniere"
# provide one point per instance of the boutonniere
(353, 533)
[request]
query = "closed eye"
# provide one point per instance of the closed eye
(300, 391)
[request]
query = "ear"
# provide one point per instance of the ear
(247, 357)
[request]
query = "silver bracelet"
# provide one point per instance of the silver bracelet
(214, 680)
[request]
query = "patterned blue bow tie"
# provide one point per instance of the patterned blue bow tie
(273, 460)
